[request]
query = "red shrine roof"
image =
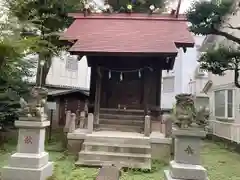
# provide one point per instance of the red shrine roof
(124, 33)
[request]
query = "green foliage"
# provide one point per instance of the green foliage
(221, 59)
(211, 18)
(207, 16)
(46, 19)
(139, 5)
(13, 69)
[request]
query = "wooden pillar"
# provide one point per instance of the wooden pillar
(158, 87)
(97, 97)
(92, 89)
(145, 91)
(158, 96)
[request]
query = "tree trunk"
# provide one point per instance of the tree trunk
(45, 70)
(236, 76)
(2, 62)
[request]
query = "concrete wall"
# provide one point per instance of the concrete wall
(184, 65)
(196, 86)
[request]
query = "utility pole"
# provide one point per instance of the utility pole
(178, 8)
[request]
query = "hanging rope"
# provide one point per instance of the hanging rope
(127, 71)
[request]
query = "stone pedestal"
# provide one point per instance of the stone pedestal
(30, 162)
(186, 163)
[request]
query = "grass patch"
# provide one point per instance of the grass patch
(220, 163)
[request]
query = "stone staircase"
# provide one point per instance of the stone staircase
(131, 150)
(121, 120)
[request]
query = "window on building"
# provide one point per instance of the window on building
(71, 63)
(168, 84)
(223, 103)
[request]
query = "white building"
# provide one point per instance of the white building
(196, 86)
(177, 80)
(68, 71)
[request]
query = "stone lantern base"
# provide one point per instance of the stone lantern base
(30, 162)
(186, 164)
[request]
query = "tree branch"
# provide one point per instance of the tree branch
(226, 35)
(233, 27)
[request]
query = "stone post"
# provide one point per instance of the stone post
(90, 122)
(72, 124)
(147, 125)
(186, 164)
(168, 125)
(67, 122)
(30, 162)
(66, 128)
(82, 120)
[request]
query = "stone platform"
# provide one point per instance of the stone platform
(125, 149)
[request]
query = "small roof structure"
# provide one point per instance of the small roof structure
(60, 90)
(67, 91)
(128, 33)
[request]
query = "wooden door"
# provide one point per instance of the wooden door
(125, 92)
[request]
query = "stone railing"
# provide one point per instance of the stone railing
(147, 125)
(81, 121)
(69, 125)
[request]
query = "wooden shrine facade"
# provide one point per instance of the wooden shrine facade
(127, 54)
(126, 82)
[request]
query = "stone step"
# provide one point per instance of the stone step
(123, 138)
(121, 122)
(121, 116)
(122, 111)
(122, 128)
(97, 163)
(117, 147)
(129, 159)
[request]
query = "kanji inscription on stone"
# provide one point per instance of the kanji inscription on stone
(28, 140)
(189, 150)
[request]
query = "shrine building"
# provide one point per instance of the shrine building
(127, 53)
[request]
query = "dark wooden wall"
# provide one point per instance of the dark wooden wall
(73, 102)
(133, 91)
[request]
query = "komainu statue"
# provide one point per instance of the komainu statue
(185, 110)
(36, 106)
(186, 115)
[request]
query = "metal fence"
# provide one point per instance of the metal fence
(230, 131)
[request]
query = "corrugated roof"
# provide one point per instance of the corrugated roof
(136, 33)
(66, 91)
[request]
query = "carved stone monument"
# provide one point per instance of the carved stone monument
(188, 134)
(30, 161)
